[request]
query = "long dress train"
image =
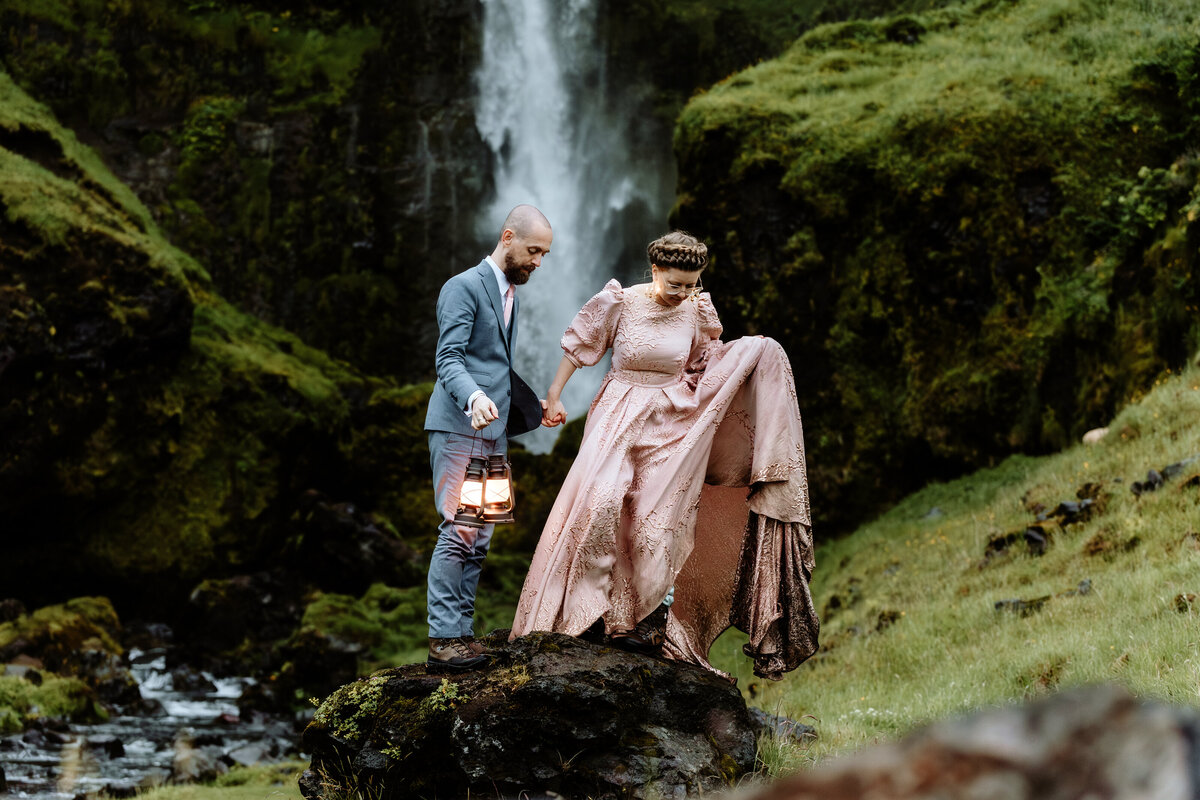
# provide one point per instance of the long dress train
(691, 473)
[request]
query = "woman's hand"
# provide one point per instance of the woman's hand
(553, 412)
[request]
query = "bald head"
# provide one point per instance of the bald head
(524, 240)
(525, 221)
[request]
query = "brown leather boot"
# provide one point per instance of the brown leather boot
(453, 655)
(476, 647)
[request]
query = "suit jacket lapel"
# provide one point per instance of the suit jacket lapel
(493, 292)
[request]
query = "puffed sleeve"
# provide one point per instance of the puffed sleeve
(707, 339)
(591, 332)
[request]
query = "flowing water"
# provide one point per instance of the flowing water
(573, 145)
(127, 752)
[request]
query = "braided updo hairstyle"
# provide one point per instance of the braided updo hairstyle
(679, 250)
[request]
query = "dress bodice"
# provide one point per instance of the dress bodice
(652, 344)
(651, 337)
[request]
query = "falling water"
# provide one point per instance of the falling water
(570, 144)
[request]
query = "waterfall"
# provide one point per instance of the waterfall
(570, 144)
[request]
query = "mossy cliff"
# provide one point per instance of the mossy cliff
(972, 228)
(154, 434)
(322, 164)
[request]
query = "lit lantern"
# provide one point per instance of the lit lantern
(470, 497)
(498, 491)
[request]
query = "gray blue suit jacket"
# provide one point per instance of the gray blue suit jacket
(473, 352)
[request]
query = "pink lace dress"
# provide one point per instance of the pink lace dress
(690, 474)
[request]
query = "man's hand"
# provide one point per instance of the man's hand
(483, 412)
(553, 413)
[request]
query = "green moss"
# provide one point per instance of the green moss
(56, 697)
(971, 228)
(346, 713)
(58, 632)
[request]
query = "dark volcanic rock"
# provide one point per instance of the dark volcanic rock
(551, 713)
(1096, 742)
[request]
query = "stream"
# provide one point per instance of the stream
(197, 734)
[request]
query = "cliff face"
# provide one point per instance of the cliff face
(152, 433)
(323, 165)
(972, 229)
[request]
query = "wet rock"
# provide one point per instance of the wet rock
(3, 782)
(121, 790)
(1096, 742)
(249, 754)
(549, 712)
(148, 636)
(193, 762)
(782, 728)
(108, 746)
(186, 679)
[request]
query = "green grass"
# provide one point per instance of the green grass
(266, 782)
(947, 650)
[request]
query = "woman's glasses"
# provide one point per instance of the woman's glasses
(686, 289)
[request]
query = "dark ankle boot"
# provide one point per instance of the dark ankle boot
(647, 636)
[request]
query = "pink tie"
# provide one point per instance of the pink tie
(508, 304)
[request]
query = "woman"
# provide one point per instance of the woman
(681, 427)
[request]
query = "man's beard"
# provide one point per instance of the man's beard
(517, 274)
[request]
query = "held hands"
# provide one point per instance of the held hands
(553, 412)
(483, 412)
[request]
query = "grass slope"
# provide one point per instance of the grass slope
(911, 631)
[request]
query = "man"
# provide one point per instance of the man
(469, 411)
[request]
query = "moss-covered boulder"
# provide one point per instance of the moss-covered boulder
(972, 228)
(65, 662)
(22, 701)
(550, 713)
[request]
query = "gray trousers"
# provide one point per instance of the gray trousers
(458, 556)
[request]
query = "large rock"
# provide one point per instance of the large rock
(1096, 742)
(551, 713)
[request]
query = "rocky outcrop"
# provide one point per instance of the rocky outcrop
(1097, 742)
(550, 713)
